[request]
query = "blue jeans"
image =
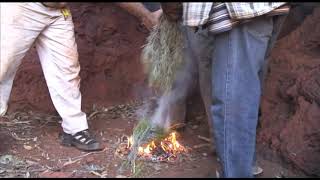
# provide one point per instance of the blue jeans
(238, 58)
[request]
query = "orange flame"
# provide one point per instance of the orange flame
(168, 145)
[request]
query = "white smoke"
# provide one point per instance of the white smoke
(165, 105)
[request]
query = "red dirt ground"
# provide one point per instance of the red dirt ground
(46, 152)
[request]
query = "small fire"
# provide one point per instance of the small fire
(167, 149)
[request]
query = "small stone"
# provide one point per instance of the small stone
(204, 154)
(194, 127)
(121, 176)
(90, 160)
(157, 167)
(27, 147)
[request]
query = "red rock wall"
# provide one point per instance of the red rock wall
(290, 122)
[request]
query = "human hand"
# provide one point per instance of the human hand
(151, 20)
(173, 11)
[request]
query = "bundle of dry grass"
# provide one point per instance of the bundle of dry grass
(143, 133)
(162, 55)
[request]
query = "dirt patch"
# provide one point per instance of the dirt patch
(38, 147)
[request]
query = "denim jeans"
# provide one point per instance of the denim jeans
(201, 71)
(197, 71)
(238, 58)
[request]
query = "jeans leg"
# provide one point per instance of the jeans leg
(199, 48)
(184, 83)
(277, 25)
(237, 58)
(204, 69)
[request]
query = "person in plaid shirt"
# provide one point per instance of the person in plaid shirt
(236, 37)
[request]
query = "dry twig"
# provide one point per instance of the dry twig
(82, 156)
(201, 145)
(204, 138)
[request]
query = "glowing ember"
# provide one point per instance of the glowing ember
(165, 150)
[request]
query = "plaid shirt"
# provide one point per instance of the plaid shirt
(219, 17)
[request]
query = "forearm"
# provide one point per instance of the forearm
(172, 10)
(136, 9)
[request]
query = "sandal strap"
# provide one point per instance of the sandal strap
(84, 137)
